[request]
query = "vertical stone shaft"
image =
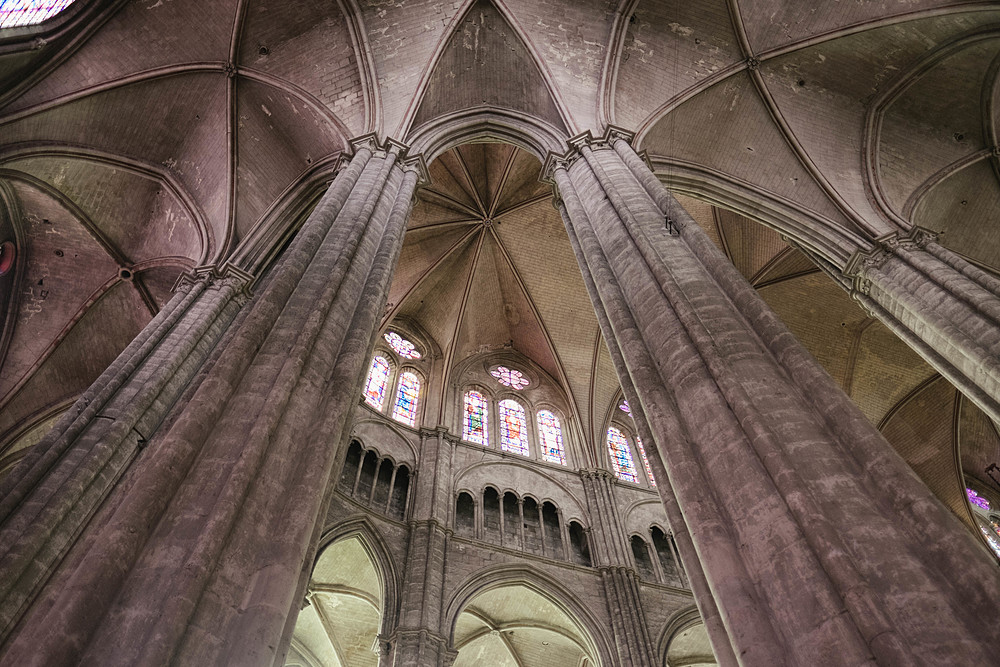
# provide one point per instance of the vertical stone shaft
(763, 454)
(48, 500)
(621, 584)
(196, 556)
(420, 639)
(699, 584)
(947, 309)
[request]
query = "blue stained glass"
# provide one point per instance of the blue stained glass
(513, 428)
(621, 455)
(645, 461)
(624, 407)
(474, 422)
(405, 408)
(378, 378)
(550, 435)
(14, 13)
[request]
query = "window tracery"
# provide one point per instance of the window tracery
(405, 407)
(378, 379)
(513, 427)
(550, 437)
(475, 418)
(401, 346)
(621, 455)
(18, 13)
(510, 377)
(624, 407)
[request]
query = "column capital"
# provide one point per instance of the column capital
(554, 161)
(862, 262)
(226, 275)
(389, 146)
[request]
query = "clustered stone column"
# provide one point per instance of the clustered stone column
(945, 308)
(419, 639)
(201, 549)
(621, 583)
(818, 544)
(56, 489)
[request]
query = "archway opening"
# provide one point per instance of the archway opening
(515, 626)
(340, 622)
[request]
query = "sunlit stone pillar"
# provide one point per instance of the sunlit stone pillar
(818, 543)
(944, 307)
(198, 552)
(420, 640)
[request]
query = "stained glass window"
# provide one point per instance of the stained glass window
(15, 13)
(513, 427)
(378, 378)
(625, 408)
(405, 408)
(403, 347)
(550, 436)
(977, 500)
(510, 377)
(621, 455)
(645, 461)
(476, 415)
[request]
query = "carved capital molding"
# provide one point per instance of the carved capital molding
(863, 262)
(216, 277)
(554, 161)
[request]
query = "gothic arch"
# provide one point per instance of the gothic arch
(375, 546)
(529, 133)
(392, 450)
(495, 577)
(679, 621)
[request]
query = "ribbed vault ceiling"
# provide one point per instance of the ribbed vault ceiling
(158, 135)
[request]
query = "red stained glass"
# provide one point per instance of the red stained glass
(513, 428)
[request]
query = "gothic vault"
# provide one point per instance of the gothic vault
(500, 332)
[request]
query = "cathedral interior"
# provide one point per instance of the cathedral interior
(528, 333)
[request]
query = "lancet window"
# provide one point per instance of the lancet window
(475, 418)
(645, 461)
(621, 455)
(550, 437)
(405, 407)
(378, 380)
(513, 427)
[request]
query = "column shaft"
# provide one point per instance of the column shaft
(197, 555)
(799, 511)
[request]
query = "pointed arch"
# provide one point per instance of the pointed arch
(545, 586)
(451, 50)
(377, 549)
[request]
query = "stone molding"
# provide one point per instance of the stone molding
(863, 262)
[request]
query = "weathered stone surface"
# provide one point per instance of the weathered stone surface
(776, 473)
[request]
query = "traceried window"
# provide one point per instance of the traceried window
(510, 377)
(550, 437)
(624, 407)
(621, 455)
(405, 407)
(401, 346)
(474, 420)
(645, 461)
(977, 500)
(513, 427)
(378, 378)
(14, 13)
